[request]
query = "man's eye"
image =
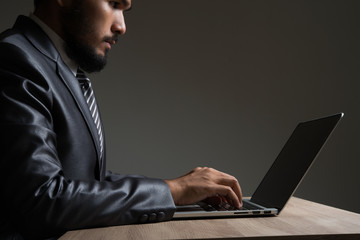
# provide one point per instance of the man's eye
(114, 4)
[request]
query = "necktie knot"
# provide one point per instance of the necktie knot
(80, 74)
(82, 78)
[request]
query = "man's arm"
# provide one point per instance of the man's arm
(38, 199)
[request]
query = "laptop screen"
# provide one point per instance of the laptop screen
(282, 179)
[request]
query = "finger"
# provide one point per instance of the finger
(227, 180)
(228, 192)
(234, 184)
(237, 190)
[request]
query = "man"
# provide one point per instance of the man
(52, 167)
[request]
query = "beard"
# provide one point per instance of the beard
(85, 56)
(76, 27)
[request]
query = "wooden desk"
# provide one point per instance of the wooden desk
(300, 219)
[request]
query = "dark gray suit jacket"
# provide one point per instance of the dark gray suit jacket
(51, 176)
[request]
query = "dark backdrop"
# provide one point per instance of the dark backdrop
(223, 84)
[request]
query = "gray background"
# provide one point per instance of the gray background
(223, 84)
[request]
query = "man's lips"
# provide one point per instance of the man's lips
(109, 44)
(111, 40)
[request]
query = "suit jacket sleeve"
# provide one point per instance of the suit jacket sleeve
(38, 198)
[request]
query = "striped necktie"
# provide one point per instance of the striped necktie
(89, 96)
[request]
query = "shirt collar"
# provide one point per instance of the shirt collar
(58, 42)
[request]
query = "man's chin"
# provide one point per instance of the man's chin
(93, 65)
(102, 53)
(86, 57)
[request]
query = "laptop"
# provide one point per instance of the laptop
(281, 180)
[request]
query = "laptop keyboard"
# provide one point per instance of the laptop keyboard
(226, 207)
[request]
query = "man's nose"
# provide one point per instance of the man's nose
(119, 25)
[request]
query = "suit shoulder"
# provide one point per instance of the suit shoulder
(20, 60)
(13, 43)
(17, 51)
(12, 36)
(14, 54)
(28, 37)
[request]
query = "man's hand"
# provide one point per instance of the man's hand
(202, 183)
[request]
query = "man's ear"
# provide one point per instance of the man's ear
(64, 3)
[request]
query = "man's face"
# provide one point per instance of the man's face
(90, 28)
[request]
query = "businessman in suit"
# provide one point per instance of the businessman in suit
(52, 168)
